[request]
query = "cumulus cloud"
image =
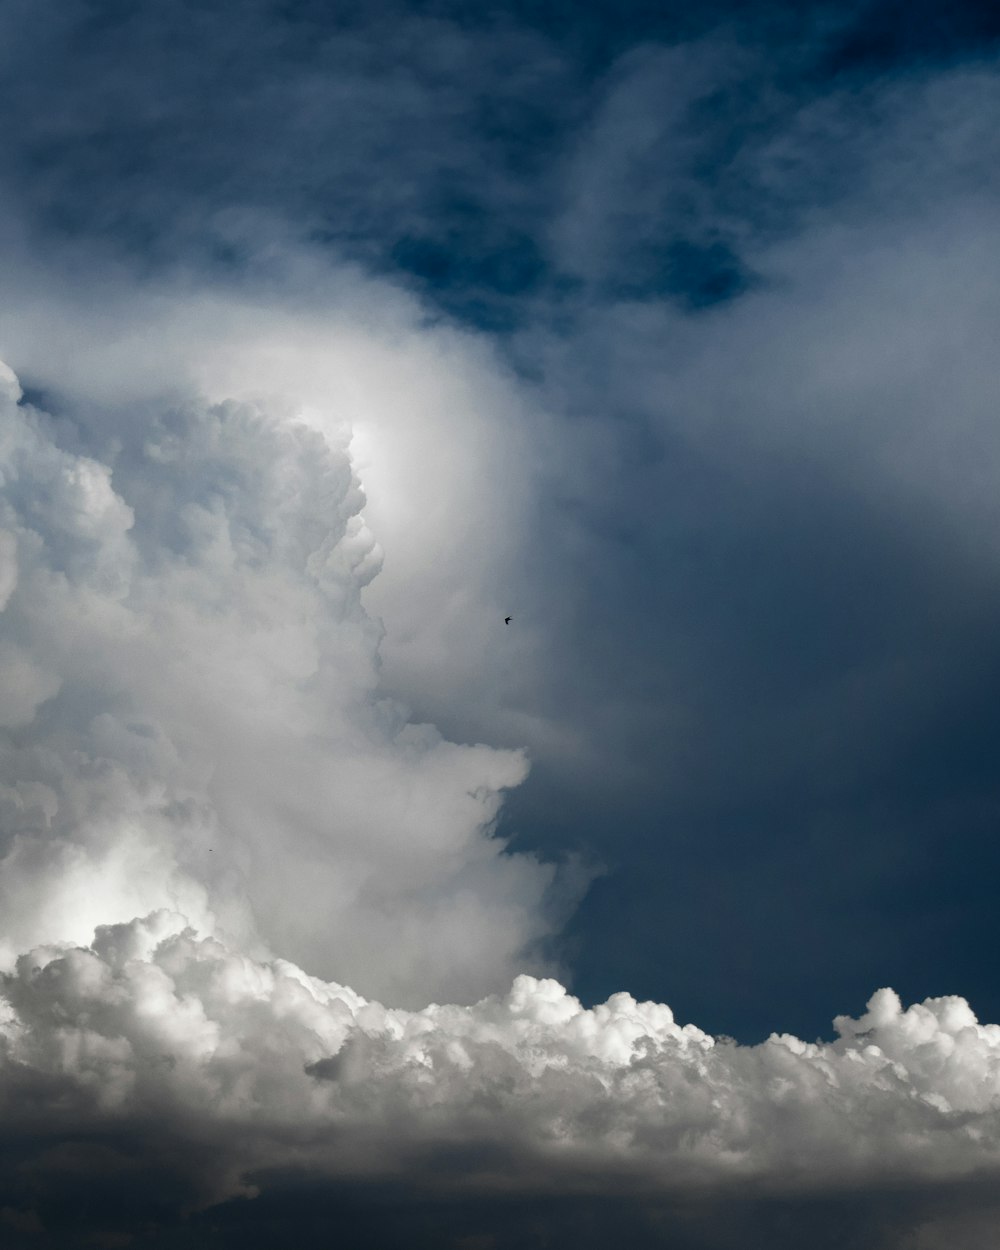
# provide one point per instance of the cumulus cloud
(248, 1065)
(193, 721)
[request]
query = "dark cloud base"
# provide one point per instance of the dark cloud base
(315, 1211)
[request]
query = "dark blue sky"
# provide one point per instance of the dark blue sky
(791, 673)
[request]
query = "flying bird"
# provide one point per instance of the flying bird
(507, 620)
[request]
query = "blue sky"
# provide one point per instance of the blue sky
(669, 332)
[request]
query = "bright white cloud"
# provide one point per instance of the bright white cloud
(271, 1067)
(449, 446)
(190, 682)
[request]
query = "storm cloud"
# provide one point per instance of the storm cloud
(334, 339)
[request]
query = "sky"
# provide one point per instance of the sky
(332, 907)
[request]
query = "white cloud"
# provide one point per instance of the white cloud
(193, 681)
(448, 444)
(271, 1068)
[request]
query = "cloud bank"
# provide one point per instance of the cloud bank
(246, 1066)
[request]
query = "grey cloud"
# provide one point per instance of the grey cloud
(773, 537)
(178, 129)
(631, 194)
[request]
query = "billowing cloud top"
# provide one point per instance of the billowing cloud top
(246, 1066)
(193, 722)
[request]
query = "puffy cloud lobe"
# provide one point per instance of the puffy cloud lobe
(190, 682)
(254, 1065)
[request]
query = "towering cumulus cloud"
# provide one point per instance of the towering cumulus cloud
(191, 718)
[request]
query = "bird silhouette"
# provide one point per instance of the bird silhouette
(507, 620)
